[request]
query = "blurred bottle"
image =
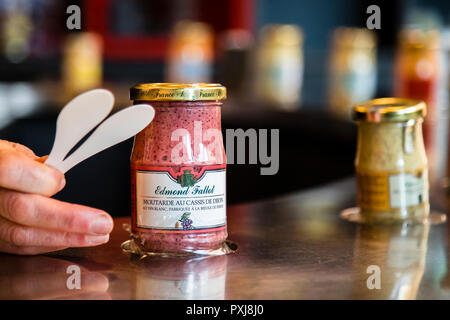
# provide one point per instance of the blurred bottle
(352, 69)
(234, 61)
(82, 63)
(421, 73)
(446, 93)
(279, 66)
(191, 53)
(17, 27)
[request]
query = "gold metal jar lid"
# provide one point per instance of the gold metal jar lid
(389, 110)
(178, 92)
(281, 35)
(355, 38)
(192, 32)
(418, 39)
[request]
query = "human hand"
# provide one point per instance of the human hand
(30, 221)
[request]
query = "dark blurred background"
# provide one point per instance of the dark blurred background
(297, 66)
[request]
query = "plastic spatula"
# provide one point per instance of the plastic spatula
(117, 128)
(76, 119)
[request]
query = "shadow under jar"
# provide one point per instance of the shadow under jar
(391, 163)
(178, 170)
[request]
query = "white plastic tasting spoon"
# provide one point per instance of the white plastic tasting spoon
(117, 128)
(76, 119)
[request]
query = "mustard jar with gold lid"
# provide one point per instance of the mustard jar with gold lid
(391, 163)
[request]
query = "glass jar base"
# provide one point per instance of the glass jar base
(354, 215)
(136, 247)
(226, 247)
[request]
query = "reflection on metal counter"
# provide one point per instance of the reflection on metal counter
(178, 278)
(44, 277)
(398, 251)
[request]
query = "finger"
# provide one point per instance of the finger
(23, 236)
(42, 159)
(22, 173)
(38, 211)
(16, 146)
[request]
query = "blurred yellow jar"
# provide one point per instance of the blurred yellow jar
(279, 66)
(352, 69)
(391, 163)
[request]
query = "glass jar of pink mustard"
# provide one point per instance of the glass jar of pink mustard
(178, 170)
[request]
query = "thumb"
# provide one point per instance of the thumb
(21, 173)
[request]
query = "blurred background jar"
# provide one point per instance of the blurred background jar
(421, 73)
(190, 54)
(17, 29)
(235, 47)
(446, 52)
(279, 66)
(352, 69)
(82, 65)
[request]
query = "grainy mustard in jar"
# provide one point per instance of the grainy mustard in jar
(178, 170)
(391, 163)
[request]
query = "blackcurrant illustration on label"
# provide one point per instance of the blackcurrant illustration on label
(186, 222)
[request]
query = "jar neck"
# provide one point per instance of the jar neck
(181, 104)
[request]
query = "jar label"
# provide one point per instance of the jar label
(185, 201)
(380, 191)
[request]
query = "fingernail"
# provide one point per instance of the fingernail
(62, 183)
(59, 176)
(101, 225)
(98, 240)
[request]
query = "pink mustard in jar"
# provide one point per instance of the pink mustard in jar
(178, 170)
